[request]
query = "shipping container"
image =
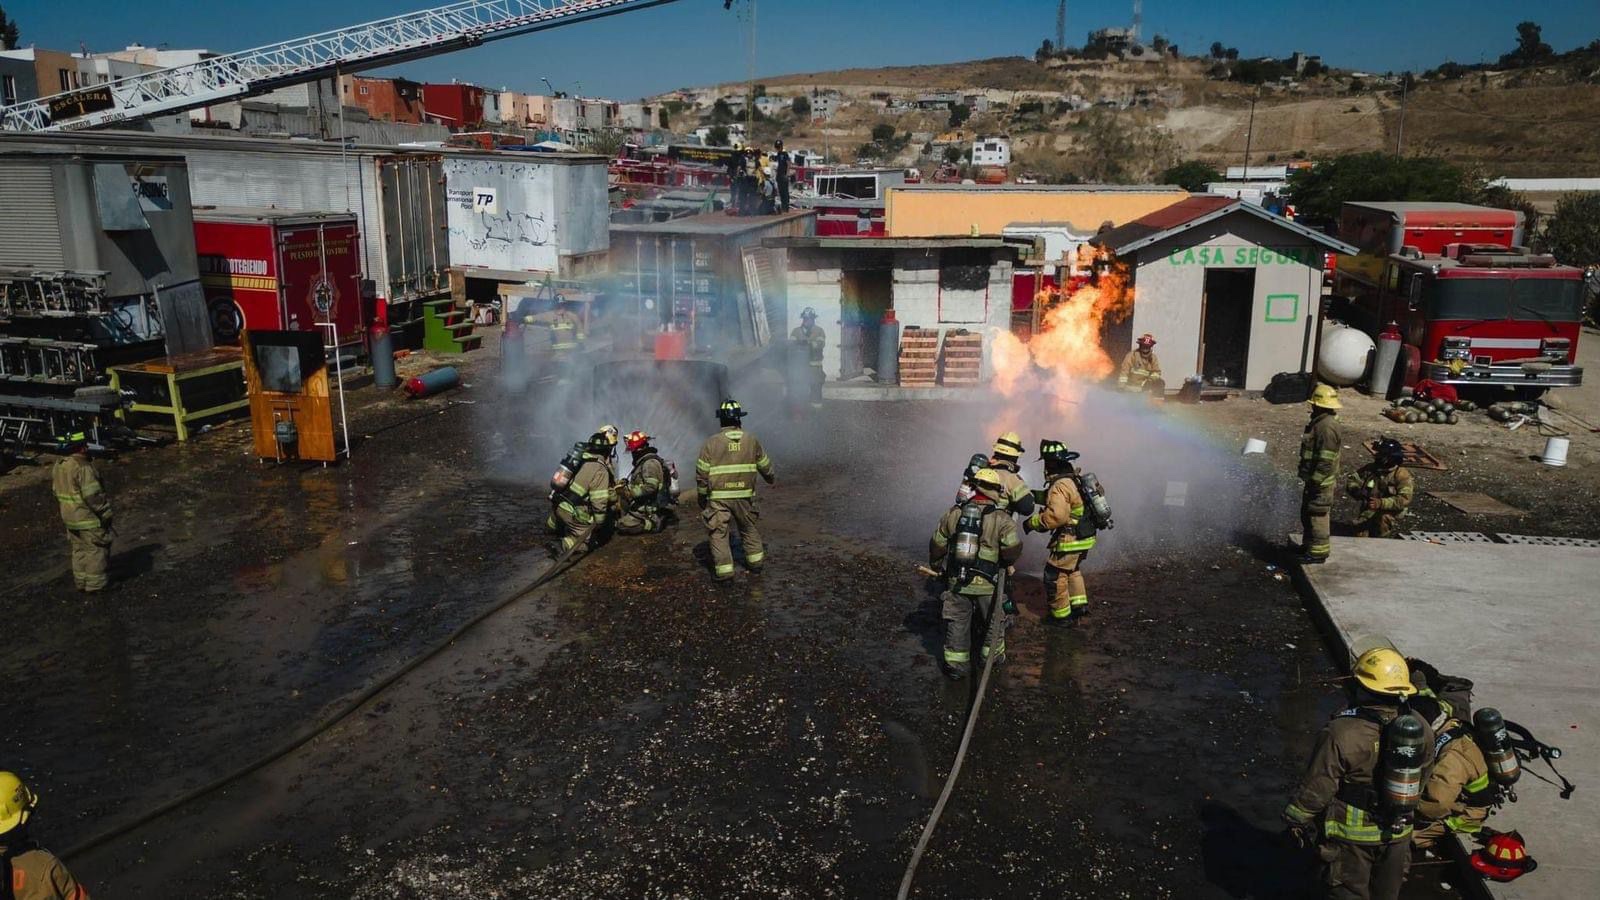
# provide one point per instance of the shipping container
(516, 212)
(275, 270)
(397, 196)
(110, 235)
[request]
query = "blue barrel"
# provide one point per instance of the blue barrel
(383, 358)
(430, 383)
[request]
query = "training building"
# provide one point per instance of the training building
(949, 284)
(1230, 291)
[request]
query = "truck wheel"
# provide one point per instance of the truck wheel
(227, 321)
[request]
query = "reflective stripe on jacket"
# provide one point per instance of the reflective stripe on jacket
(1458, 790)
(1015, 495)
(83, 501)
(728, 464)
(1393, 488)
(1063, 509)
(1347, 756)
(1319, 453)
(588, 497)
(38, 875)
(813, 338)
(1136, 369)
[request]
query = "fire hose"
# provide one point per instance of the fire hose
(961, 751)
(326, 723)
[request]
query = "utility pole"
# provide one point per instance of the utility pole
(1061, 26)
(1400, 135)
(1249, 136)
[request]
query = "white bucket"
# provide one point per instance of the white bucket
(1257, 445)
(1555, 452)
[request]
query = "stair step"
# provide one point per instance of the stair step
(435, 304)
(460, 327)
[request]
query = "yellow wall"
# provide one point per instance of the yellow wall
(928, 213)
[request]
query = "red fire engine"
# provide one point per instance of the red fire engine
(1472, 305)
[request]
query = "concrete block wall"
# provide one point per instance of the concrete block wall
(814, 282)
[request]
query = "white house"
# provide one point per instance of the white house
(991, 151)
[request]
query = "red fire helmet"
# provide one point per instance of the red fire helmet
(1147, 340)
(1503, 858)
(635, 440)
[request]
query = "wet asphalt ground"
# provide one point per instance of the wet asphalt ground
(633, 729)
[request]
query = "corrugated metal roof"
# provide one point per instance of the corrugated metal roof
(712, 223)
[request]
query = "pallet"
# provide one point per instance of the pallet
(1416, 457)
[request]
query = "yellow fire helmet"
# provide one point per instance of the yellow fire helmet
(16, 802)
(1326, 396)
(1008, 444)
(988, 481)
(1384, 671)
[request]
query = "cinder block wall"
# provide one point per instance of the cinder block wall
(814, 282)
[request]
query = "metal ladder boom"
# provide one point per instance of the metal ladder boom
(250, 72)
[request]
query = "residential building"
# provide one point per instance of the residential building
(18, 81)
(454, 105)
(54, 71)
(161, 58)
(991, 151)
(825, 105)
(491, 107)
(637, 116)
(938, 99)
(562, 113)
(384, 99)
(768, 105)
(978, 103)
(514, 109)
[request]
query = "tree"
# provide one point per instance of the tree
(1530, 43)
(9, 34)
(1312, 69)
(1191, 175)
(1160, 44)
(721, 112)
(1217, 50)
(1232, 53)
(959, 114)
(1259, 71)
(882, 133)
(1357, 85)
(1045, 51)
(761, 90)
(952, 153)
(1320, 191)
(717, 136)
(800, 106)
(1573, 235)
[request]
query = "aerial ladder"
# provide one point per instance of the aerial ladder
(252, 72)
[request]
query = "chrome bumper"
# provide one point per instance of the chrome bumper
(1514, 375)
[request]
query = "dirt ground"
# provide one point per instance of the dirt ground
(634, 729)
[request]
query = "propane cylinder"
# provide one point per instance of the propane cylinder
(1489, 727)
(672, 479)
(430, 383)
(1342, 357)
(1401, 785)
(1384, 362)
(964, 548)
(1095, 496)
(382, 353)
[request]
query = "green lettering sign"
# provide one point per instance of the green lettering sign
(1240, 256)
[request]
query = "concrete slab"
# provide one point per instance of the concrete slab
(1522, 622)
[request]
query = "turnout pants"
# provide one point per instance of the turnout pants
(91, 554)
(640, 520)
(1063, 585)
(1376, 524)
(964, 615)
(576, 529)
(1316, 513)
(1364, 871)
(720, 517)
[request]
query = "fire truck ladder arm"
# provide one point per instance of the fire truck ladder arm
(251, 72)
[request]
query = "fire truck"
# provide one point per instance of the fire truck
(1472, 305)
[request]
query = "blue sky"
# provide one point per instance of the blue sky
(695, 42)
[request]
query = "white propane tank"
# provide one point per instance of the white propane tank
(1342, 359)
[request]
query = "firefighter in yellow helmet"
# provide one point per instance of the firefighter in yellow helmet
(1015, 497)
(1319, 469)
(85, 510)
(27, 871)
(1340, 804)
(725, 481)
(567, 335)
(583, 504)
(1061, 514)
(972, 544)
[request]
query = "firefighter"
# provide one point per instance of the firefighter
(1383, 489)
(85, 510)
(643, 498)
(1003, 458)
(1319, 469)
(1141, 371)
(808, 335)
(28, 871)
(1338, 806)
(1060, 515)
(583, 506)
(1459, 793)
(567, 335)
(725, 482)
(984, 543)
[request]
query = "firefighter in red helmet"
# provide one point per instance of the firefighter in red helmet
(1141, 371)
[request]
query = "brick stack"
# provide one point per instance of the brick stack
(919, 357)
(963, 357)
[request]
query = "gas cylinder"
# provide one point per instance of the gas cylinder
(382, 353)
(1489, 727)
(1401, 783)
(1384, 362)
(964, 549)
(430, 383)
(567, 470)
(1094, 497)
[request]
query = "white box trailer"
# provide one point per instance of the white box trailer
(516, 212)
(397, 195)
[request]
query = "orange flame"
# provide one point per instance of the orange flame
(1065, 354)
